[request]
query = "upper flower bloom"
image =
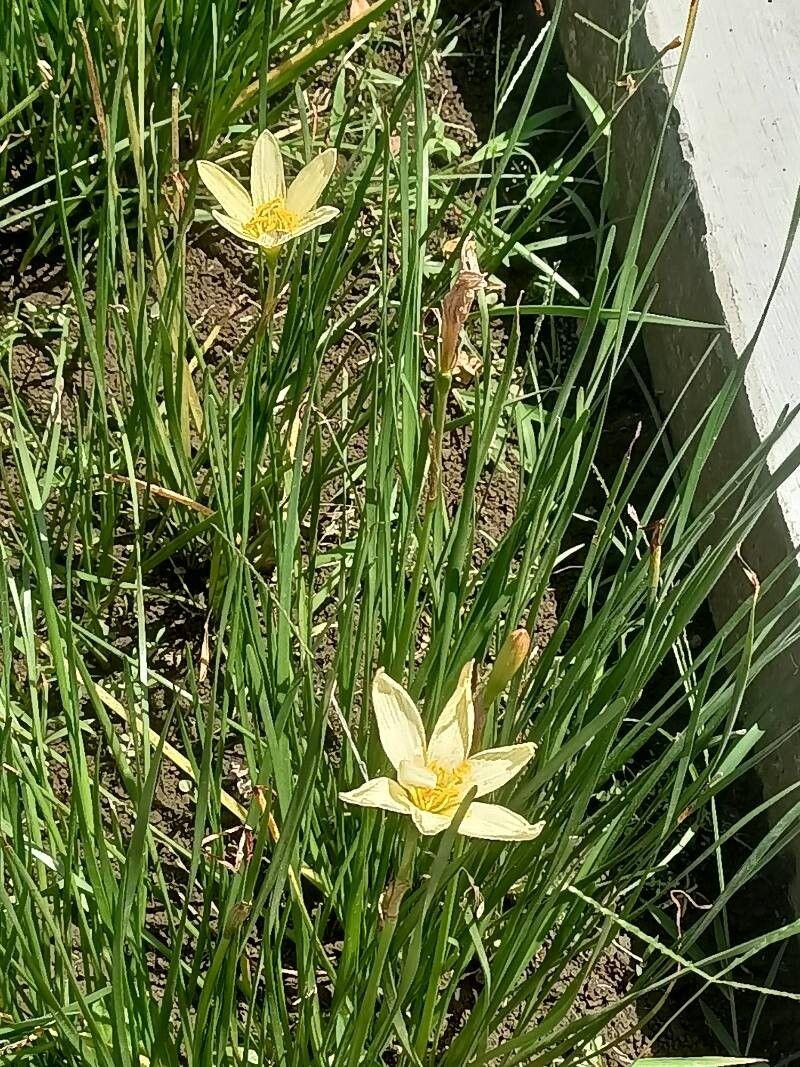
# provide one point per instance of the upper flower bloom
(434, 776)
(269, 215)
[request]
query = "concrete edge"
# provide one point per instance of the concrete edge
(692, 286)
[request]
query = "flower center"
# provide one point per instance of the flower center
(271, 217)
(451, 785)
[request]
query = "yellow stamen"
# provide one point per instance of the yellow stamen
(271, 217)
(451, 786)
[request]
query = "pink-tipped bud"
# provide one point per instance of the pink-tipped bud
(510, 659)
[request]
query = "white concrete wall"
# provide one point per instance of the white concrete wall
(734, 142)
(739, 110)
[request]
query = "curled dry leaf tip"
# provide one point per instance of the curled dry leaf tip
(457, 306)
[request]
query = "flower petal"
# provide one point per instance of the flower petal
(233, 225)
(266, 170)
(493, 822)
(313, 219)
(429, 822)
(308, 186)
(415, 776)
(490, 769)
(230, 193)
(378, 793)
(399, 723)
(451, 739)
(310, 222)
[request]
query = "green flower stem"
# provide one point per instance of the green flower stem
(238, 376)
(441, 391)
(433, 496)
(271, 257)
(257, 332)
(393, 898)
(426, 1015)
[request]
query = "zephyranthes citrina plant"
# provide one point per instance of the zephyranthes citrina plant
(300, 764)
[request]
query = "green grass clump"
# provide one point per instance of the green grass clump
(215, 533)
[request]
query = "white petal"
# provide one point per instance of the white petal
(429, 822)
(310, 222)
(399, 723)
(378, 793)
(308, 186)
(315, 218)
(230, 193)
(233, 225)
(266, 170)
(415, 775)
(451, 739)
(490, 769)
(493, 822)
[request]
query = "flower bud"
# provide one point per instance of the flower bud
(237, 917)
(512, 655)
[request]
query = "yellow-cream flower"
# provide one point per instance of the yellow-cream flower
(434, 775)
(270, 214)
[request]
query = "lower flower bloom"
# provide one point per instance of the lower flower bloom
(435, 775)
